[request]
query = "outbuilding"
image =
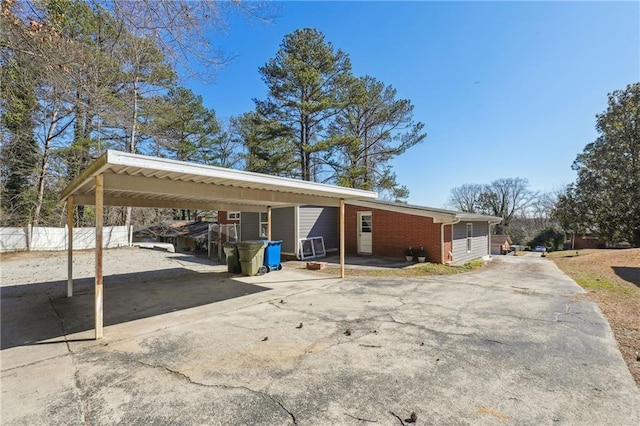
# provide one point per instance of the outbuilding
(500, 244)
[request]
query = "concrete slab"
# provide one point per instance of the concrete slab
(512, 344)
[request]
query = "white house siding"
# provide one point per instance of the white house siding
(479, 242)
(316, 221)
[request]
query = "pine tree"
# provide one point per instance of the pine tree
(307, 82)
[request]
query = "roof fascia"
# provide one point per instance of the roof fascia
(97, 167)
(438, 217)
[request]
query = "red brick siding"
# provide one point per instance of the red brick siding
(581, 242)
(393, 232)
(448, 247)
(222, 218)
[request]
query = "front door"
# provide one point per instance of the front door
(365, 232)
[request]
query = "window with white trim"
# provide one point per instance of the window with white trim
(469, 236)
(233, 215)
(264, 225)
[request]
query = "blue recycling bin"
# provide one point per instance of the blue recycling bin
(272, 255)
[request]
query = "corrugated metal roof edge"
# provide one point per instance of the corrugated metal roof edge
(119, 158)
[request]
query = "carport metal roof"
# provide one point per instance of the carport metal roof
(141, 181)
(123, 179)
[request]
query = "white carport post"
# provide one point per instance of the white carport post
(98, 284)
(70, 247)
(342, 238)
(269, 223)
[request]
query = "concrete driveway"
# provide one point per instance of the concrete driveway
(512, 344)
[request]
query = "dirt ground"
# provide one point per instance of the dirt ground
(43, 266)
(612, 280)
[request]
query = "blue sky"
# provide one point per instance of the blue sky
(505, 89)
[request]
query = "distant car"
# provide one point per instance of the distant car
(541, 249)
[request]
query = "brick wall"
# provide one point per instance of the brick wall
(581, 242)
(393, 232)
(448, 245)
(222, 218)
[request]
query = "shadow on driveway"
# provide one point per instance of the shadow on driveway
(41, 311)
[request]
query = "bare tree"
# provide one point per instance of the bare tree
(45, 55)
(506, 197)
(182, 28)
(466, 198)
(528, 223)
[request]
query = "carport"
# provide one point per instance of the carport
(131, 180)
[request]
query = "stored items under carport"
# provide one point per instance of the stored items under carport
(272, 256)
(252, 257)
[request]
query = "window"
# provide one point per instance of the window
(311, 247)
(264, 225)
(366, 223)
(233, 215)
(469, 236)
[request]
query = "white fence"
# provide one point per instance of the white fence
(43, 239)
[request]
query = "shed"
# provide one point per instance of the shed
(182, 234)
(500, 244)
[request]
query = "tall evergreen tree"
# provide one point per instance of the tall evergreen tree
(608, 183)
(307, 82)
(267, 147)
(183, 128)
(19, 151)
(372, 129)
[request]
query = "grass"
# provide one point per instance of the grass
(439, 269)
(612, 280)
(418, 270)
(593, 269)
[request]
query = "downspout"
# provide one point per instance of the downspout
(488, 238)
(296, 231)
(442, 225)
(489, 223)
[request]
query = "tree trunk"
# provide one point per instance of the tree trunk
(41, 175)
(131, 147)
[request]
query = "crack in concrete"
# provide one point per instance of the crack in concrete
(29, 364)
(568, 311)
(360, 418)
(427, 329)
(84, 410)
(397, 417)
(187, 322)
(193, 382)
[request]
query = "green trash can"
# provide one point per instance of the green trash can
(252, 257)
(233, 260)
